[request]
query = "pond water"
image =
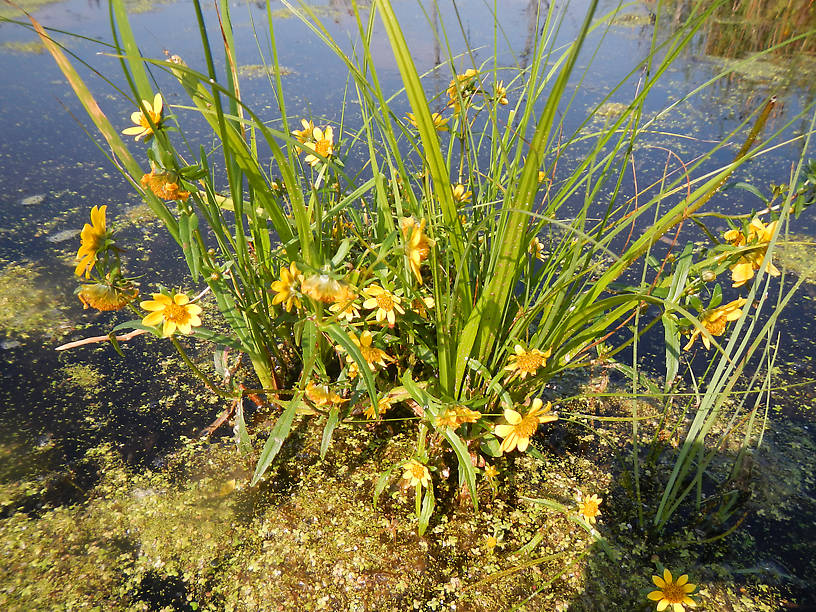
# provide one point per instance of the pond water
(52, 173)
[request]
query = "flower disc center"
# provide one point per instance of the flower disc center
(385, 302)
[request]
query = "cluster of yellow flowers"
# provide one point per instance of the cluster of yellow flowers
(461, 90)
(756, 240)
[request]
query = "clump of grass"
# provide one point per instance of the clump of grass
(454, 272)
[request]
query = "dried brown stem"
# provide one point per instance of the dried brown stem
(96, 339)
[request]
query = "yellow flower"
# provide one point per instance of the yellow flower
(518, 430)
(345, 310)
(490, 472)
(457, 415)
(371, 354)
(324, 288)
(417, 244)
(460, 195)
(759, 235)
(93, 238)
(321, 395)
(386, 303)
(439, 122)
(105, 297)
(164, 185)
(501, 94)
(588, 507)
(466, 415)
(672, 593)
(536, 249)
(422, 305)
(466, 84)
(415, 473)
(527, 362)
(176, 312)
(306, 133)
(447, 419)
(285, 287)
(714, 321)
(541, 175)
(383, 406)
(353, 370)
(143, 127)
(323, 145)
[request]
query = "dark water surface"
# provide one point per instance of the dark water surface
(53, 173)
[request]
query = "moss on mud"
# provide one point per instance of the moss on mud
(192, 535)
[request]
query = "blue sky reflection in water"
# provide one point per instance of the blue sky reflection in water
(45, 152)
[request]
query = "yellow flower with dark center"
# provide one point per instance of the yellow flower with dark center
(759, 235)
(322, 396)
(501, 94)
(439, 122)
(324, 288)
(588, 507)
(519, 429)
(417, 244)
(460, 194)
(305, 134)
(285, 287)
(176, 312)
(323, 145)
(143, 127)
(527, 362)
(387, 304)
(347, 310)
(93, 238)
(414, 473)
(164, 185)
(383, 405)
(671, 593)
(105, 297)
(715, 320)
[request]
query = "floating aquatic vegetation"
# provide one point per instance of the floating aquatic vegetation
(797, 254)
(27, 306)
(256, 71)
(33, 200)
(33, 46)
(62, 235)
